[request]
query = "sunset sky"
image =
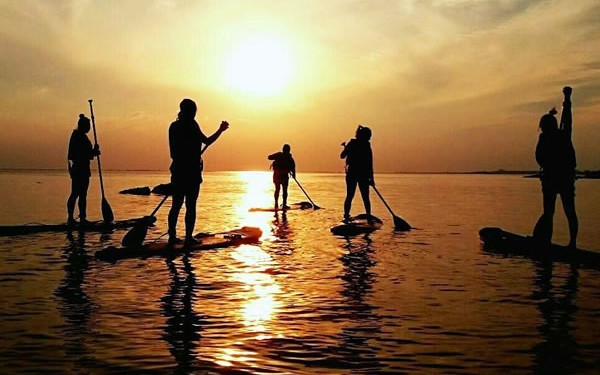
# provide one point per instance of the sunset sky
(445, 85)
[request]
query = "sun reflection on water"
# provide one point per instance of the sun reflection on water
(259, 300)
(259, 190)
(258, 187)
(262, 289)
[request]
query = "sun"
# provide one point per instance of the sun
(259, 65)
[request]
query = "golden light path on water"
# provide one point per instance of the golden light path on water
(260, 290)
(258, 193)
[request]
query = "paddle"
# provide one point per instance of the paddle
(136, 236)
(107, 213)
(399, 223)
(315, 207)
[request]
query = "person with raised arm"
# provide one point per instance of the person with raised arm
(185, 146)
(555, 155)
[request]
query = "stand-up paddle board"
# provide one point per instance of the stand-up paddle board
(163, 248)
(293, 206)
(90, 226)
(359, 224)
(500, 241)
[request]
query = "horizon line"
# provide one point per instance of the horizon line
(497, 171)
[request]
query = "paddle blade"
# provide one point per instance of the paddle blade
(107, 213)
(401, 224)
(136, 236)
(542, 232)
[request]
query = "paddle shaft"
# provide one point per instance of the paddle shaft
(305, 193)
(399, 223)
(96, 144)
(159, 205)
(383, 200)
(136, 236)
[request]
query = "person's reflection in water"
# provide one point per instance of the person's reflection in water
(364, 323)
(284, 236)
(183, 324)
(556, 353)
(75, 306)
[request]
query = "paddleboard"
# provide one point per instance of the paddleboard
(162, 248)
(293, 206)
(359, 224)
(498, 240)
(92, 226)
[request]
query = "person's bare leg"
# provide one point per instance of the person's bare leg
(191, 200)
(568, 202)
(174, 215)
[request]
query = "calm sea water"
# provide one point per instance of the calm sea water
(302, 301)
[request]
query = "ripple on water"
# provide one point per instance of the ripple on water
(302, 301)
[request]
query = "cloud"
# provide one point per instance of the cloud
(425, 74)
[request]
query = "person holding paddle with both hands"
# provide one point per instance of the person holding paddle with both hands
(79, 155)
(185, 145)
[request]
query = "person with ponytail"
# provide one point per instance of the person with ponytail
(185, 146)
(79, 155)
(555, 155)
(359, 169)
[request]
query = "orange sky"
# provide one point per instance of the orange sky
(445, 85)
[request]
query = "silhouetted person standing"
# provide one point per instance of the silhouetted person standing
(556, 156)
(79, 155)
(359, 169)
(283, 165)
(185, 145)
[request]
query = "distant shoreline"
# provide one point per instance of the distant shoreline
(525, 173)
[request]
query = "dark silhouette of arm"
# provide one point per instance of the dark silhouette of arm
(370, 165)
(80, 148)
(72, 148)
(343, 153)
(539, 155)
(210, 140)
(566, 117)
(173, 142)
(346, 149)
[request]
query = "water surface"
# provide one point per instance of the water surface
(302, 301)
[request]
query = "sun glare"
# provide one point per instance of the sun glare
(259, 65)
